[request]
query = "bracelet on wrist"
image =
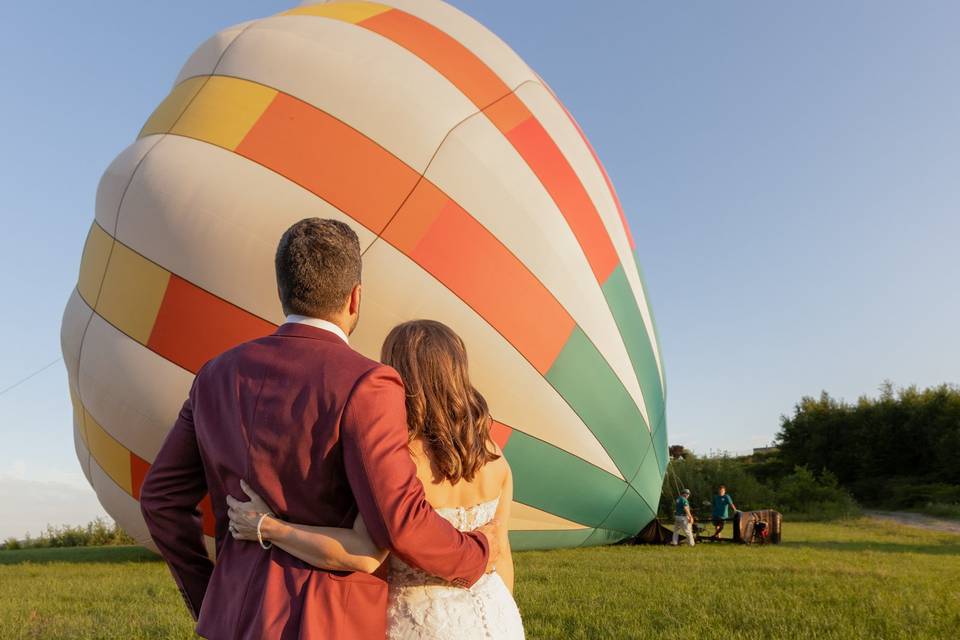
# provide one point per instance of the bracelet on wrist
(263, 544)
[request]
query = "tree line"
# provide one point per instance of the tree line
(97, 533)
(900, 450)
(755, 482)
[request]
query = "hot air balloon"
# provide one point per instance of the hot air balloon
(478, 202)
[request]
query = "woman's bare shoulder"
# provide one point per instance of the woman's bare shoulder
(501, 461)
(499, 469)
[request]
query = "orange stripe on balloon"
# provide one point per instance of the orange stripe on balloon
(414, 219)
(508, 114)
(193, 325)
(331, 159)
(500, 433)
(450, 244)
(454, 61)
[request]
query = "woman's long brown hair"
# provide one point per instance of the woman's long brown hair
(443, 408)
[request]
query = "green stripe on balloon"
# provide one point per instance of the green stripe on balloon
(660, 421)
(587, 382)
(627, 315)
(630, 515)
(558, 482)
(524, 540)
(653, 321)
(603, 536)
(649, 481)
(660, 444)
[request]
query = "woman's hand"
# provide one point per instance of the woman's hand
(370, 557)
(245, 516)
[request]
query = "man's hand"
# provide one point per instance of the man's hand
(492, 532)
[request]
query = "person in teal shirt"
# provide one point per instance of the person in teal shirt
(683, 519)
(722, 504)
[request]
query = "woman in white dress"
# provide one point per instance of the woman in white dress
(465, 477)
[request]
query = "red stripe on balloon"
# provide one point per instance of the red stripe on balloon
(603, 170)
(193, 325)
(209, 519)
(446, 241)
(547, 161)
(138, 471)
(500, 433)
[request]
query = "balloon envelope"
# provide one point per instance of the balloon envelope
(477, 200)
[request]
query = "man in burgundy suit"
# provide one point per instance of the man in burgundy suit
(320, 432)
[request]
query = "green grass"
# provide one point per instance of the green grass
(853, 579)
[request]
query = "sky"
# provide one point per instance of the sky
(790, 173)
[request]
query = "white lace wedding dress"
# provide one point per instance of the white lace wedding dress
(422, 607)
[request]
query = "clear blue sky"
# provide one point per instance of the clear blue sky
(790, 173)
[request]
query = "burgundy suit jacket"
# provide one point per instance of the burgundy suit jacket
(319, 431)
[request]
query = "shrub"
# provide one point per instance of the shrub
(903, 493)
(93, 534)
(941, 510)
(10, 544)
(703, 475)
(803, 494)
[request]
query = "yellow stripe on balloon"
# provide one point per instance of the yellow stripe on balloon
(527, 518)
(112, 456)
(166, 115)
(133, 291)
(352, 12)
(223, 111)
(93, 265)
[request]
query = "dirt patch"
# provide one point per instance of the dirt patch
(916, 520)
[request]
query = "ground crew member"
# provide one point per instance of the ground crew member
(722, 503)
(683, 520)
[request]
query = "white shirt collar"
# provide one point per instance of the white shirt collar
(326, 325)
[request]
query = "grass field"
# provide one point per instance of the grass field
(855, 579)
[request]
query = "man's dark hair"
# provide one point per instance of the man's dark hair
(318, 265)
(723, 486)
